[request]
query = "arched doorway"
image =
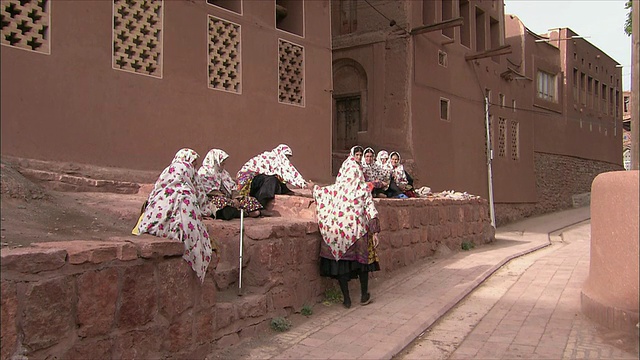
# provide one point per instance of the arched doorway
(349, 108)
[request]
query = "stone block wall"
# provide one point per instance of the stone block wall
(135, 297)
(558, 179)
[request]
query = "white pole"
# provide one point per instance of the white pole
(489, 159)
(240, 266)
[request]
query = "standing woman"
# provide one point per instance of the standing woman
(224, 201)
(173, 211)
(348, 222)
(267, 174)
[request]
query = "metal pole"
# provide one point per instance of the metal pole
(635, 83)
(489, 159)
(240, 265)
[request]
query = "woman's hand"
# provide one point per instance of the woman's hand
(310, 185)
(376, 242)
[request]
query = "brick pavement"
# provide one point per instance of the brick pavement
(416, 297)
(539, 316)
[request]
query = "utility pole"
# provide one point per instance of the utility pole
(635, 81)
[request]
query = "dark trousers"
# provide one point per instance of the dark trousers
(265, 187)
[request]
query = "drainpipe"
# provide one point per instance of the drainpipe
(489, 159)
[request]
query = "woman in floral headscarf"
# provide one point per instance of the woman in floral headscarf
(173, 211)
(401, 185)
(267, 174)
(374, 173)
(219, 186)
(348, 222)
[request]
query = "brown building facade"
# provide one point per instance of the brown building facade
(421, 71)
(127, 84)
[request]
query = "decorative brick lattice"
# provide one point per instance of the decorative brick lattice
(502, 137)
(137, 36)
(25, 24)
(224, 56)
(515, 140)
(290, 73)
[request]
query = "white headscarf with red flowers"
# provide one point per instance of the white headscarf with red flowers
(173, 211)
(344, 208)
(398, 170)
(274, 162)
(212, 176)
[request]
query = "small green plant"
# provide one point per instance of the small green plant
(468, 245)
(332, 296)
(280, 324)
(306, 310)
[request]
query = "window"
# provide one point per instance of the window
(515, 140)
(611, 100)
(575, 85)
(590, 91)
(502, 137)
(546, 86)
(447, 14)
(290, 16)
(603, 105)
(617, 104)
(480, 33)
(596, 86)
(501, 98)
(348, 16)
(442, 58)
(625, 104)
(465, 29)
(583, 87)
(428, 12)
(444, 109)
(513, 105)
(494, 33)
(231, 5)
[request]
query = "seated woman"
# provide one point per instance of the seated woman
(348, 222)
(224, 202)
(374, 174)
(173, 211)
(401, 185)
(267, 174)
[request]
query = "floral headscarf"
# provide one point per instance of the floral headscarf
(212, 176)
(383, 159)
(185, 155)
(173, 212)
(354, 150)
(274, 162)
(365, 152)
(344, 208)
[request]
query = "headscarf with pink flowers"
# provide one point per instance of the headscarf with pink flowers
(344, 208)
(173, 211)
(274, 162)
(212, 176)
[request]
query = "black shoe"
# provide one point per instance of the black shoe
(365, 299)
(347, 303)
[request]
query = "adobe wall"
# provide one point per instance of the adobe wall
(610, 294)
(558, 178)
(136, 297)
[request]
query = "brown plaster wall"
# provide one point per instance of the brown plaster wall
(610, 293)
(72, 106)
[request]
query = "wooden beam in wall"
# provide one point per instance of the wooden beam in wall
(438, 26)
(500, 50)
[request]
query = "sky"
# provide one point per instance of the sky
(600, 20)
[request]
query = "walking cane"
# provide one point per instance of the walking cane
(241, 239)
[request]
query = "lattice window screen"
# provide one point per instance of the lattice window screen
(515, 140)
(25, 24)
(137, 36)
(291, 73)
(224, 56)
(502, 137)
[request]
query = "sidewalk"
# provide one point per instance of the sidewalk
(411, 300)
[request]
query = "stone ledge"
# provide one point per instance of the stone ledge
(32, 260)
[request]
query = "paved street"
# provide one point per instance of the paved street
(530, 308)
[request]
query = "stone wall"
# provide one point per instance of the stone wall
(558, 179)
(136, 298)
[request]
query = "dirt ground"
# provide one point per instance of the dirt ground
(31, 213)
